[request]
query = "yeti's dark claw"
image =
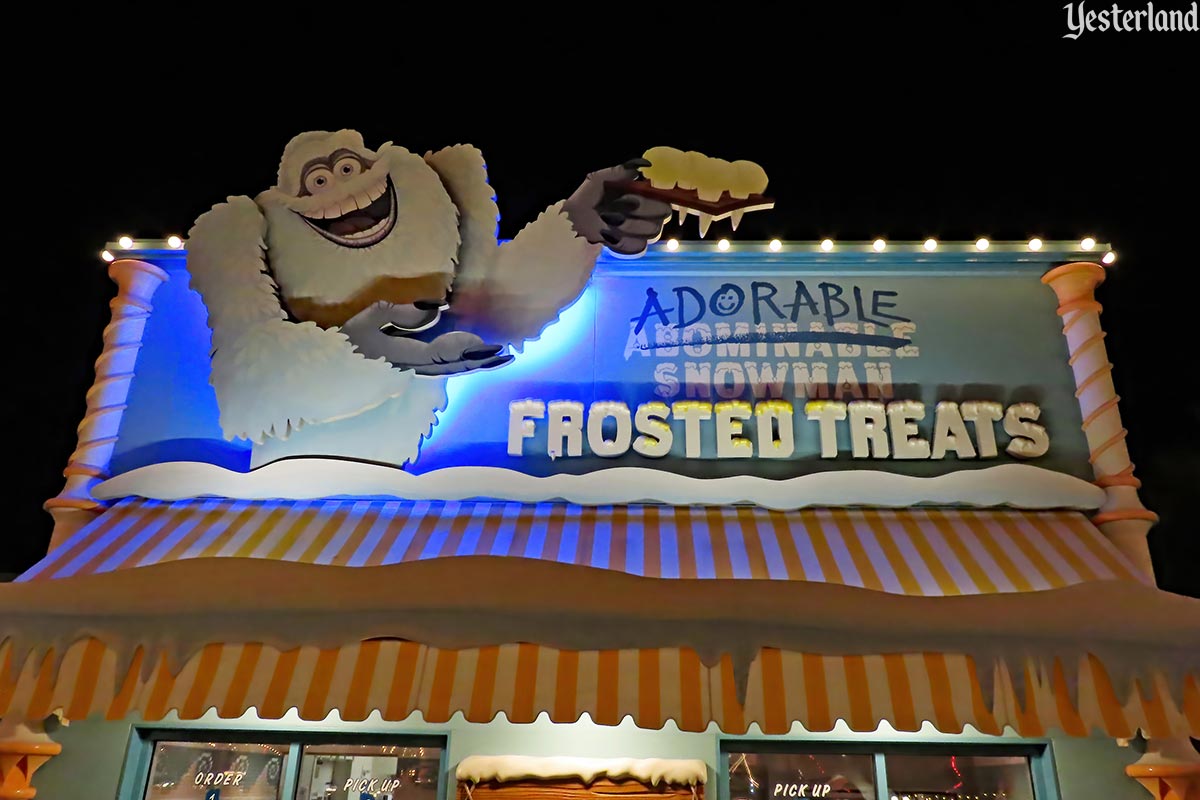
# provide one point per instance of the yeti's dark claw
(430, 305)
(476, 353)
(624, 222)
(498, 361)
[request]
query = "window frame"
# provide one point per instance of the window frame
(139, 753)
(1038, 751)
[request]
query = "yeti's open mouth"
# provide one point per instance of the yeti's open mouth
(358, 221)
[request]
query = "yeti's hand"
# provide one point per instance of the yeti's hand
(625, 223)
(384, 331)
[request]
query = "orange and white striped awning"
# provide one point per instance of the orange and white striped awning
(911, 551)
(398, 678)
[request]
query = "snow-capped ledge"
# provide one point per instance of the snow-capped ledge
(1017, 485)
(649, 771)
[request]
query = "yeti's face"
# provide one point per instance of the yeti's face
(342, 216)
(346, 197)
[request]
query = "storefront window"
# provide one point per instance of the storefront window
(368, 772)
(208, 770)
(773, 776)
(776, 772)
(955, 777)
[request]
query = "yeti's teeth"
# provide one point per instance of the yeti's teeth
(736, 217)
(347, 206)
(318, 214)
(683, 212)
(705, 221)
(362, 200)
(369, 232)
(377, 191)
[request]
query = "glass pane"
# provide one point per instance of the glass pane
(216, 771)
(957, 777)
(775, 776)
(369, 772)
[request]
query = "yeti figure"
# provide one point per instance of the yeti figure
(341, 298)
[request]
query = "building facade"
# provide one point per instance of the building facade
(846, 520)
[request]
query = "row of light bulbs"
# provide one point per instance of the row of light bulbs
(930, 245)
(174, 241)
(775, 245)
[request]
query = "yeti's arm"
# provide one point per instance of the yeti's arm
(272, 375)
(509, 293)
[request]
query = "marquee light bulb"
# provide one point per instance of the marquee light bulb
(672, 245)
(174, 242)
(1035, 244)
(775, 245)
(827, 245)
(931, 245)
(982, 244)
(1110, 257)
(723, 245)
(880, 245)
(1087, 243)
(126, 242)
(107, 256)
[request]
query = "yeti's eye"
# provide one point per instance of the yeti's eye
(317, 180)
(347, 167)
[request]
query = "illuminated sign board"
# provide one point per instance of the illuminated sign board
(362, 309)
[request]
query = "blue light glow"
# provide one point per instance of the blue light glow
(566, 344)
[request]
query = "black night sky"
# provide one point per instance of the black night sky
(904, 123)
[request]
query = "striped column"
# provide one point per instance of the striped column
(75, 506)
(1169, 770)
(24, 749)
(1122, 518)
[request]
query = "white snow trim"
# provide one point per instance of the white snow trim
(649, 771)
(1018, 485)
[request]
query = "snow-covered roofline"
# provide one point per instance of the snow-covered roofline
(650, 771)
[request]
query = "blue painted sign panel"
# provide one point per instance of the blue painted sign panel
(700, 355)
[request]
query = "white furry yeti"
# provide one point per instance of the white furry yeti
(341, 297)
